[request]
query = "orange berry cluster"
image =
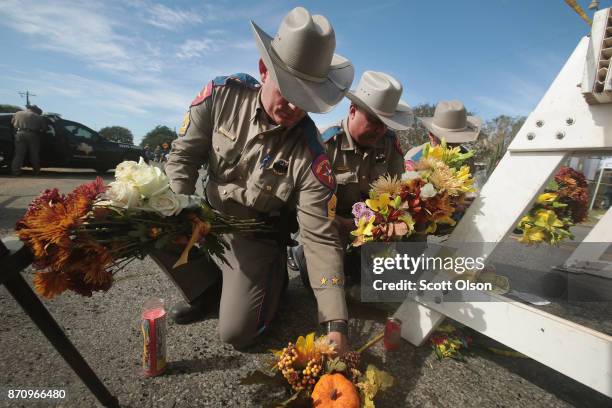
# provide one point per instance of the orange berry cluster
(298, 379)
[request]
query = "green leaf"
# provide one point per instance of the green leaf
(552, 186)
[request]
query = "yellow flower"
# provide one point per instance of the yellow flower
(364, 227)
(387, 184)
(547, 198)
(547, 219)
(533, 235)
(380, 204)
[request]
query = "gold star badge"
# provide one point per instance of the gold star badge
(323, 281)
(335, 281)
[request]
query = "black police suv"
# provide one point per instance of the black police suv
(69, 144)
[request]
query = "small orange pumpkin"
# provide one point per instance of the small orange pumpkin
(335, 391)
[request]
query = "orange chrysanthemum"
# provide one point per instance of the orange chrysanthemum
(50, 284)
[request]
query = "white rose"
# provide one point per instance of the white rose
(122, 194)
(428, 191)
(166, 203)
(150, 180)
(410, 175)
(125, 170)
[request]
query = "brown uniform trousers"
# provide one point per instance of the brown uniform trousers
(256, 168)
(29, 127)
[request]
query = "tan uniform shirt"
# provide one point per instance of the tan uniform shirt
(357, 167)
(256, 167)
(29, 121)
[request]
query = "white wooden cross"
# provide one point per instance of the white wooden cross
(562, 123)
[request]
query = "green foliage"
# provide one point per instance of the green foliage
(117, 134)
(416, 135)
(158, 136)
(7, 108)
(495, 137)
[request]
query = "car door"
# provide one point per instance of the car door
(81, 142)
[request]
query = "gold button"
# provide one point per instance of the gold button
(268, 188)
(363, 177)
(260, 137)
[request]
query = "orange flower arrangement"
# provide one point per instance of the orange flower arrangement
(81, 239)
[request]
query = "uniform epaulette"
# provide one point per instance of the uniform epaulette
(396, 142)
(311, 134)
(241, 79)
(330, 133)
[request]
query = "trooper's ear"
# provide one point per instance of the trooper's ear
(263, 71)
(352, 110)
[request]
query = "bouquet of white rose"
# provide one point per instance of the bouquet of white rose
(82, 239)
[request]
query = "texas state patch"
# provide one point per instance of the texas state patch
(322, 170)
(184, 125)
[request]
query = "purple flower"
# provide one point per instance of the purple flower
(360, 209)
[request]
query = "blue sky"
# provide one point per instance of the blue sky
(138, 63)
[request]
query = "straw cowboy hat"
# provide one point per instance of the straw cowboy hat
(452, 123)
(379, 94)
(301, 60)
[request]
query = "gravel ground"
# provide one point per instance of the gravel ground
(203, 371)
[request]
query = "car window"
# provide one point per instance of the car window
(78, 131)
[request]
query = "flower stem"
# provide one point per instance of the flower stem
(371, 342)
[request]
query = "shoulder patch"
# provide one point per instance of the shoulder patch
(242, 79)
(395, 140)
(321, 168)
(330, 133)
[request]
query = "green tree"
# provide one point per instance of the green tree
(496, 136)
(158, 136)
(6, 108)
(117, 134)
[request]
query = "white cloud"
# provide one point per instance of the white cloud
(78, 29)
(200, 47)
(196, 48)
(169, 19)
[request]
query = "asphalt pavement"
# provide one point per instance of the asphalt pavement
(203, 371)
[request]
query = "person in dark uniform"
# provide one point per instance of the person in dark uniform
(29, 126)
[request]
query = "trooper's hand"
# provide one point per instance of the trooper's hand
(340, 340)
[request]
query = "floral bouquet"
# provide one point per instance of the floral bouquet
(318, 377)
(428, 195)
(80, 240)
(448, 341)
(563, 204)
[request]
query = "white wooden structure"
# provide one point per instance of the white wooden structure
(563, 122)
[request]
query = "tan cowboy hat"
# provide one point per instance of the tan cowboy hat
(301, 60)
(379, 94)
(452, 123)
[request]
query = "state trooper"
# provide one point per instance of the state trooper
(29, 126)
(449, 122)
(264, 157)
(361, 148)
